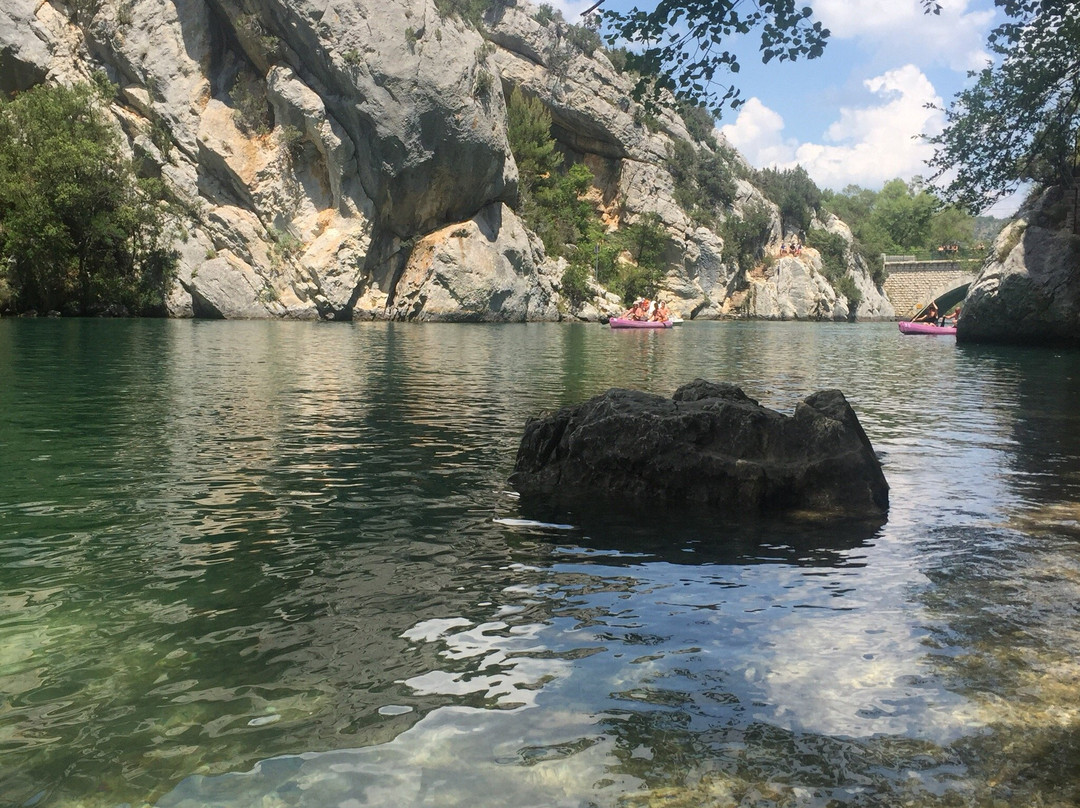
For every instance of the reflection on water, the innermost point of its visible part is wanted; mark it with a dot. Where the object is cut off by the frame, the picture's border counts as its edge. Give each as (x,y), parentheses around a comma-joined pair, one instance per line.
(277,564)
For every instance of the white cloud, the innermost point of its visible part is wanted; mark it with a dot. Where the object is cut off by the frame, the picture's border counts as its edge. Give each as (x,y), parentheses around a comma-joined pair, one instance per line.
(758,134)
(866,145)
(901,31)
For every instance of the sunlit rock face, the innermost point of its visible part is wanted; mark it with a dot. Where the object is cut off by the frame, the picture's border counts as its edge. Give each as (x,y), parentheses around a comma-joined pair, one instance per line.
(314,148)
(1029,289)
(708,446)
(490,268)
(24,55)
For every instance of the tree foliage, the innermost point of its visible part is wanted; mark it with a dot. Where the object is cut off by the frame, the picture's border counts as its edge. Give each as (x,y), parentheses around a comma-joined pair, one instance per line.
(551,200)
(78,232)
(903,213)
(704,180)
(1020,120)
(553,205)
(646,242)
(529,132)
(745,237)
(682,45)
(901,218)
(797,196)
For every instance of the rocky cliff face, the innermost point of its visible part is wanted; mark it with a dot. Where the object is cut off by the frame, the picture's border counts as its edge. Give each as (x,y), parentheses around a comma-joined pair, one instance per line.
(1029,289)
(349,158)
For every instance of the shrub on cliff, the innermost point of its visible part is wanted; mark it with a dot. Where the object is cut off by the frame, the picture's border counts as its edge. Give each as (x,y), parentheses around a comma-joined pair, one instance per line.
(745,237)
(833,249)
(797,196)
(471,11)
(551,199)
(553,205)
(699,122)
(575,283)
(645,242)
(704,180)
(78,231)
(251,110)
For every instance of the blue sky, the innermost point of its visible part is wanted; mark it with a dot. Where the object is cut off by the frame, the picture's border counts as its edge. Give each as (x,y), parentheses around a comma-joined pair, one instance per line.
(853,116)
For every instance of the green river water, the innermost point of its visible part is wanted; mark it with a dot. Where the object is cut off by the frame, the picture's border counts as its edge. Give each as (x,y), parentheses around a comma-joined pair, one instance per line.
(277,564)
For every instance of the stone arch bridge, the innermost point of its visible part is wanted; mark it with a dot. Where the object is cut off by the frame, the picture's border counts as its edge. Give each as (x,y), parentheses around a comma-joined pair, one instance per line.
(911,283)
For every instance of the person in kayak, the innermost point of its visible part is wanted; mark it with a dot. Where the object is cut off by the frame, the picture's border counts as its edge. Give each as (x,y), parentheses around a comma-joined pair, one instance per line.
(637,312)
(928,316)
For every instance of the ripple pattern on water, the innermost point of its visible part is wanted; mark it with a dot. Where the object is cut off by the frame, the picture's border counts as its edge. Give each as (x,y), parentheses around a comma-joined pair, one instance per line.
(278,562)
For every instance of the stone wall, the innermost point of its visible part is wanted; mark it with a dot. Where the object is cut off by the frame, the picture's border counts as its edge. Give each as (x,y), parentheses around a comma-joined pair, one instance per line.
(912,284)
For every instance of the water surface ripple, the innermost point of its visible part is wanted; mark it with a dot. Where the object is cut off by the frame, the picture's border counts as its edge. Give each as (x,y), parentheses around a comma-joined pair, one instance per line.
(277,564)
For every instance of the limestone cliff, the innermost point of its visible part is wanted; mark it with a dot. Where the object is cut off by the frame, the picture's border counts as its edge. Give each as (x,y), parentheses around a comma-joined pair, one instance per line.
(349,158)
(1028,291)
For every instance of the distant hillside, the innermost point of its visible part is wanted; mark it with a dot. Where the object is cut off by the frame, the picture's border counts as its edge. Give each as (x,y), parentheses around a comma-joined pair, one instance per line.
(988,227)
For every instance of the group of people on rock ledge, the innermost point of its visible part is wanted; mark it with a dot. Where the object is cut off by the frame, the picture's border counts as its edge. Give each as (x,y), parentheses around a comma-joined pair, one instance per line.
(648,311)
(932,316)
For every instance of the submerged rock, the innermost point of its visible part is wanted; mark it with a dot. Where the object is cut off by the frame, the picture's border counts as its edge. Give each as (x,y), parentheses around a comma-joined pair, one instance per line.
(711,446)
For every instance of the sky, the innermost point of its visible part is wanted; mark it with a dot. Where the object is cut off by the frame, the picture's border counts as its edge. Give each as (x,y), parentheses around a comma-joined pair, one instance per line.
(855,115)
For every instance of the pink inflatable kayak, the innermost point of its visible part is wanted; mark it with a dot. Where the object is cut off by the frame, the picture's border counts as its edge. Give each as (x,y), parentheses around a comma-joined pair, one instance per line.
(926,328)
(619,322)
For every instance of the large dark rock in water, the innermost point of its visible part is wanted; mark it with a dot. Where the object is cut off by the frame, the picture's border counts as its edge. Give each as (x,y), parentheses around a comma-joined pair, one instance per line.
(709,445)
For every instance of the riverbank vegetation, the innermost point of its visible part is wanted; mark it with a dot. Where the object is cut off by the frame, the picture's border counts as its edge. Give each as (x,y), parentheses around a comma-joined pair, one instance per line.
(908,218)
(79,232)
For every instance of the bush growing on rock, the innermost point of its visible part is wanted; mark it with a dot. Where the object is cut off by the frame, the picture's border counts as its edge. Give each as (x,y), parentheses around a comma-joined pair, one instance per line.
(471,11)
(833,249)
(553,206)
(618,58)
(797,196)
(251,112)
(646,242)
(546,14)
(704,182)
(584,39)
(551,200)
(745,237)
(575,283)
(699,122)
